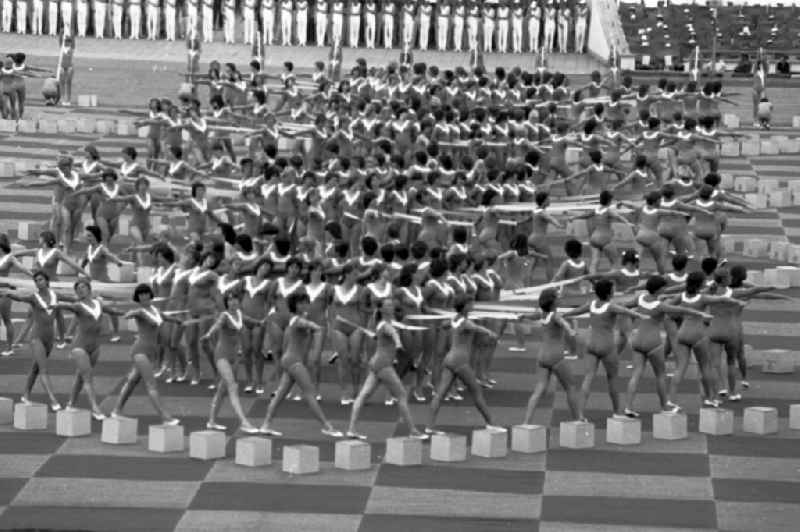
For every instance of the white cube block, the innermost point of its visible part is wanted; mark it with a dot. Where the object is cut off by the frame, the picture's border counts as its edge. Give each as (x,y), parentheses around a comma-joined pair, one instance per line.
(490,443)
(84,100)
(449,448)
(8,126)
(403,451)
(253,451)
(143,132)
(623,431)
(144,274)
(778,277)
(794,417)
(778,361)
(528,438)
(125,128)
(67,126)
(124,227)
(576,434)
(32,416)
(27,126)
(120,430)
(745,184)
(726,181)
(716,421)
(769,147)
(301,459)
(86,125)
(104,127)
(730,120)
(207,444)
(755,247)
(760,420)
(789,145)
(352,455)
(779,250)
(72,423)
(28,230)
(165,438)
(6,411)
(572,155)
(793,274)
(796,121)
(8,169)
(756,277)
(668,426)
(751,147)
(779,198)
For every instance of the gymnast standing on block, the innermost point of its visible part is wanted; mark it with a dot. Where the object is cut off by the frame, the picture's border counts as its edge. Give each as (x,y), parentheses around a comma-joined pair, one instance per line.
(551,355)
(7,263)
(149,320)
(457,363)
(381,371)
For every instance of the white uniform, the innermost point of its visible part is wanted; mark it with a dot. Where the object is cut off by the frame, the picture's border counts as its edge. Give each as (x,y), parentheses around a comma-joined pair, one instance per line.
(170,19)
(117,10)
(388,23)
(473,20)
(534,26)
(22,16)
(286,22)
(8,15)
(249,13)
(229,21)
(321,21)
(581,18)
(458,26)
(563,28)
(192,15)
(52,17)
(354,25)
(425,16)
(301,21)
(517,20)
(370,23)
(408,23)
(337,19)
(268,20)
(443,26)
(549,29)
(153,16)
(503,14)
(208,21)
(488,28)
(100,14)
(135,14)
(37,16)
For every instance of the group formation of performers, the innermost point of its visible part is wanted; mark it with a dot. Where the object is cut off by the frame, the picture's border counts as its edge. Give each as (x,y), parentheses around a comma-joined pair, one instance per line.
(383,224)
(506,25)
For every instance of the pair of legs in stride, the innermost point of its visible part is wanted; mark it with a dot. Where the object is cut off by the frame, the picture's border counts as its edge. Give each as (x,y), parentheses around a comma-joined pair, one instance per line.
(467,376)
(85,362)
(560,370)
(700,348)
(142,370)
(610,362)
(40,352)
(389,378)
(655,357)
(227,381)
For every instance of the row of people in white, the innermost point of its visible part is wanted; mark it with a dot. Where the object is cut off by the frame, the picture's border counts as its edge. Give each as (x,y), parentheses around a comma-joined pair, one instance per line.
(516,25)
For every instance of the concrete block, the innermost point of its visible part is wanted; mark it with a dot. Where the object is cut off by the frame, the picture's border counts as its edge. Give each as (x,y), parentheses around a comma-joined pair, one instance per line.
(48,126)
(105,127)
(769,147)
(120,430)
(726,181)
(27,126)
(86,125)
(144,274)
(792,273)
(779,198)
(490,443)
(745,184)
(623,431)
(27,262)
(755,247)
(528,438)
(778,361)
(751,147)
(6,411)
(778,250)
(8,126)
(300,459)
(85,100)
(756,277)
(777,277)
(31,416)
(793,253)
(143,132)
(207,444)
(124,228)
(165,438)
(576,434)
(403,451)
(449,448)
(668,426)
(122,274)
(73,423)
(7,169)
(794,416)
(125,128)
(765,186)
(67,126)
(253,451)
(730,121)
(572,155)
(716,421)
(352,455)
(789,145)
(796,121)
(760,420)
(28,230)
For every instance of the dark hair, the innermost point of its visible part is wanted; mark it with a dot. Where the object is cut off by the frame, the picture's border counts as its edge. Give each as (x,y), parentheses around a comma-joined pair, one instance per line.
(629,256)
(140,290)
(695,281)
(295,299)
(708,265)
(48,237)
(680,261)
(655,283)
(547,299)
(573,248)
(604,288)
(5,245)
(95,232)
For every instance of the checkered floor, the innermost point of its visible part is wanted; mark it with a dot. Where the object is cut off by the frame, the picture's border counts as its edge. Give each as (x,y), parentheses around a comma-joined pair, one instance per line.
(741,482)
